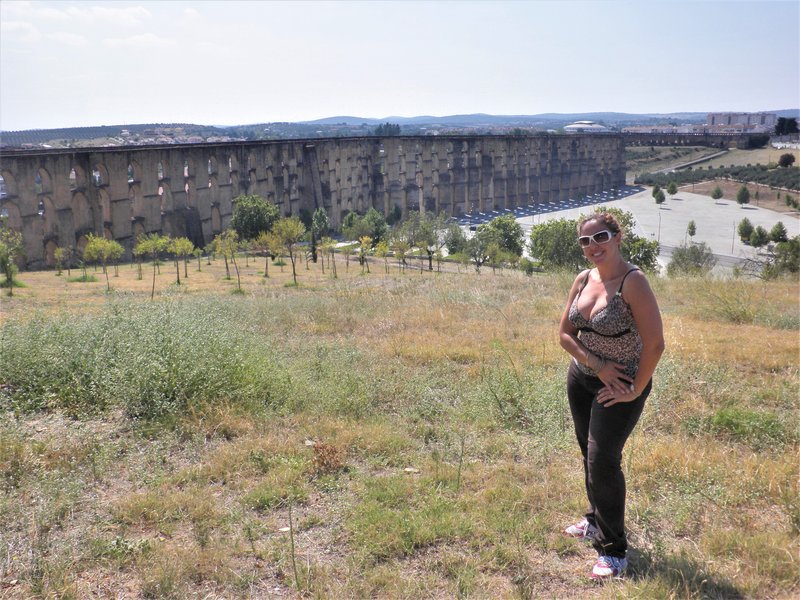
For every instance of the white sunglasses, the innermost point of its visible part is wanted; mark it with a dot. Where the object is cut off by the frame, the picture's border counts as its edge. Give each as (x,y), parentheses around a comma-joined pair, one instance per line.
(601,237)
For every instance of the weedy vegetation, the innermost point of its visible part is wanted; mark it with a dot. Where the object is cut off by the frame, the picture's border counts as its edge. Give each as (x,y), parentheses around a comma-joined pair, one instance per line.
(401,435)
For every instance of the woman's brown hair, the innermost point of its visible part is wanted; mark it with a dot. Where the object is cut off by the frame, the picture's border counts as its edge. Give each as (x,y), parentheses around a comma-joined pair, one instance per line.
(609,220)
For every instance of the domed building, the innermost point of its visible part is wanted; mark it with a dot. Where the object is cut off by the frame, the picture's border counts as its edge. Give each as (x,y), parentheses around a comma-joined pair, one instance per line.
(586,127)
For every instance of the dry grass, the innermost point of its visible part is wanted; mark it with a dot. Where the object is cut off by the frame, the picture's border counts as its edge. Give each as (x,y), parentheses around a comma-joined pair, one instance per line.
(423,446)
(767,197)
(764,156)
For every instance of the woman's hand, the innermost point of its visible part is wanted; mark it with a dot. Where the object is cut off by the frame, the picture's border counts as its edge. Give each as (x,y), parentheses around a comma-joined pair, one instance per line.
(613,375)
(608,397)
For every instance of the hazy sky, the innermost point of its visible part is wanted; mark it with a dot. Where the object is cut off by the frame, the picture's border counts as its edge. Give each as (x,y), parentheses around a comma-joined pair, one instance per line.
(66,64)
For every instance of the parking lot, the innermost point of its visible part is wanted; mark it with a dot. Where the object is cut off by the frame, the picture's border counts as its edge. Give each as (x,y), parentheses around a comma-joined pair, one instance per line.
(716,221)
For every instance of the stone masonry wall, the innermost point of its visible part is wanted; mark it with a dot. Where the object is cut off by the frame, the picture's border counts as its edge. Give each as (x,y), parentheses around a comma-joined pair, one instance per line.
(56,197)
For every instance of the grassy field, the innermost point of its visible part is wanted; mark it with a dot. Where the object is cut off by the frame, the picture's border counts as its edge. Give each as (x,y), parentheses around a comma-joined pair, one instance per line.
(380,436)
(644,159)
(756,156)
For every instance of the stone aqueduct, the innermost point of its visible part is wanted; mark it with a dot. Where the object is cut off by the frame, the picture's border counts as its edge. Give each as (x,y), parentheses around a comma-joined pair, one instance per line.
(57,197)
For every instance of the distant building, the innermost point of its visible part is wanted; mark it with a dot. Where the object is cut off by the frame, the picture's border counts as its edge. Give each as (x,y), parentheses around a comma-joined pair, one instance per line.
(655,129)
(742,122)
(586,127)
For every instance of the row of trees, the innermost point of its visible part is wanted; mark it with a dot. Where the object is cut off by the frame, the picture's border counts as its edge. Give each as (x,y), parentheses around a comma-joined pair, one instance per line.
(387,129)
(256,225)
(786,126)
(769,175)
(500,241)
(742,195)
(783,257)
(553,244)
(758,236)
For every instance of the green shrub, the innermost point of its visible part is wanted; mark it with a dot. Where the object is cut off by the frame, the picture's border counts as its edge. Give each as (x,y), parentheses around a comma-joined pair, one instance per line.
(693,260)
(527,266)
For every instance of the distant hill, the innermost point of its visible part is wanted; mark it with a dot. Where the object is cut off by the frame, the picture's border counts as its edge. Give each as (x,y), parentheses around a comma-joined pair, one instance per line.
(345,125)
(478,119)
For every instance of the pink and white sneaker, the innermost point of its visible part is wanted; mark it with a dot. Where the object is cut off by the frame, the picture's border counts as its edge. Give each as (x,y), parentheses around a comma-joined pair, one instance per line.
(608,567)
(582,530)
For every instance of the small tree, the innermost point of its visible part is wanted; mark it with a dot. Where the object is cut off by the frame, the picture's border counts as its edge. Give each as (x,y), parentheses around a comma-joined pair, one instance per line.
(786,258)
(226,244)
(328,246)
(62,256)
(656,189)
(320,224)
(401,248)
(759,237)
(208,249)
(10,249)
(660,197)
(364,246)
(246,247)
(152,245)
(745,230)
(672,189)
(691,229)
(481,244)
(138,257)
(786,160)
(102,250)
(290,230)
(454,239)
(553,244)
(269,243)
(743,196)
(252,214)
(494,255)
(181,248)
(778,233)
(197,253)
(508,233)
(382,251)
(716,194)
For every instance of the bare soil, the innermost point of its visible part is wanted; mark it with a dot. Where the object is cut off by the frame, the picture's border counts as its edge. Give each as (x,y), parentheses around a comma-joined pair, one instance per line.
(767,196)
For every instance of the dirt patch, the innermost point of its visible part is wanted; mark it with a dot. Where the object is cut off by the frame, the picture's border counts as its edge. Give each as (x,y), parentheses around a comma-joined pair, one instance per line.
(767,196)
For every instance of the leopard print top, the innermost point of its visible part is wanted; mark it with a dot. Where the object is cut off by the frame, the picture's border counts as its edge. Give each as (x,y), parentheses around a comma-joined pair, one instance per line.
(610,333)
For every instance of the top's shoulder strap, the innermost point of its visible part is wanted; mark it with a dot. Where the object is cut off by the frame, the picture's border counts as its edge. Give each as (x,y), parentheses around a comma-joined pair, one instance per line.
(621,283)
(585,281)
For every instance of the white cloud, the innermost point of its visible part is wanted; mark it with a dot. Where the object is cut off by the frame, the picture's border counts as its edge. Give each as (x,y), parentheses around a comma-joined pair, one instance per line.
(21,31)
(129,15)
(112,15)
(50,13)
(16,8)
(144,39)
(190,14)
(214,49)
(70,39)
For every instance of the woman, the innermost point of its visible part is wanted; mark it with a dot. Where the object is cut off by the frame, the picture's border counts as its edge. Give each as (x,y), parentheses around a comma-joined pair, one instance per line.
(612,328)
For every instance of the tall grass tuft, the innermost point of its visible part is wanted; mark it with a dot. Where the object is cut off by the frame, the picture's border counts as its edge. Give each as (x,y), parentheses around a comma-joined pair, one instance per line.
(153,359)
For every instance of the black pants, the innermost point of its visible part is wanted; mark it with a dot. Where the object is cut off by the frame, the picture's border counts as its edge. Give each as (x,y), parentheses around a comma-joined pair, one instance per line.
(602,432)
